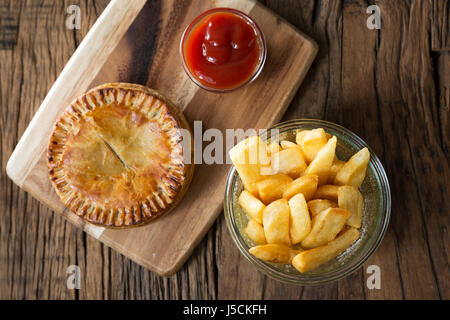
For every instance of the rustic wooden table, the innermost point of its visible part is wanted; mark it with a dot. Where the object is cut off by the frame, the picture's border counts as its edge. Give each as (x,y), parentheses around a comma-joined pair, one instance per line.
(390,86)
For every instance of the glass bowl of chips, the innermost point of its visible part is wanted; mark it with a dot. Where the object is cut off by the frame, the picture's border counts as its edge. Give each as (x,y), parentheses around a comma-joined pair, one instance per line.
(376,208)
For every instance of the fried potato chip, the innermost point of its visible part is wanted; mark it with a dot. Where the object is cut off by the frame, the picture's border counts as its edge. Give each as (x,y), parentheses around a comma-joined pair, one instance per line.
(325,226)
(311,259)
(276,222)
(349,198)
(299,136)
(255,231)
(335,167)
(312,142)
(305,184)
(251,205)
(288,161)
(273,148)
(318,205)
(327,191)
(276,253)
(300,222)
(271,188)
(353,171)
(322,162)
(249,156)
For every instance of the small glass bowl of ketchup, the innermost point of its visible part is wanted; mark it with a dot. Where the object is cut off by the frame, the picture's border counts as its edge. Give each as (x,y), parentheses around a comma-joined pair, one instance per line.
(222,50)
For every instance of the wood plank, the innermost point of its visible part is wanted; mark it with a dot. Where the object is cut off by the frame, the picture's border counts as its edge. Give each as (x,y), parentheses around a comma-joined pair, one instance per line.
(411,154)
(361,115)
(443,93)
(32,261)
(440,29)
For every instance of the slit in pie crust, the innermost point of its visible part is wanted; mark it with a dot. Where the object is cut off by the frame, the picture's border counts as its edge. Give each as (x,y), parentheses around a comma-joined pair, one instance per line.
(115,156)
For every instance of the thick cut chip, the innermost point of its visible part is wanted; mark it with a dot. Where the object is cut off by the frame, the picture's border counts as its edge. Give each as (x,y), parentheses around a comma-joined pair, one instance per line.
(255,231)
(325,226)
(299,136)
(312,142)
(276,222)
(318,205)
(249,156)
(353,171)
(273,148)
(322,162)
(349,198)
(327,191)
(335,167)
(271,188)
(305,184)
(288,161)
(300,222)
(311,259)
(251,205)
(276,253)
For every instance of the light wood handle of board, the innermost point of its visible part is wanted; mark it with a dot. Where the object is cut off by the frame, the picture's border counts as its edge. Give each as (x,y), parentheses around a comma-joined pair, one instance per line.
(74,80)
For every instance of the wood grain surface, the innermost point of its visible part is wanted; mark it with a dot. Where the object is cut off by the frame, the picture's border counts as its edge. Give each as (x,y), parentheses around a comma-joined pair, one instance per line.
(164,245)
(389,86)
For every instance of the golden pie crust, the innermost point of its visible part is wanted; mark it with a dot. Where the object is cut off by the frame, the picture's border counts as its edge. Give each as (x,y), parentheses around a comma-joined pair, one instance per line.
(115,156)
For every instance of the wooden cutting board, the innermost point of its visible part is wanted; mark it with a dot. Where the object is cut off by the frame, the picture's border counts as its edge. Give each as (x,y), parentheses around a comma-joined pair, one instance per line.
(127,44)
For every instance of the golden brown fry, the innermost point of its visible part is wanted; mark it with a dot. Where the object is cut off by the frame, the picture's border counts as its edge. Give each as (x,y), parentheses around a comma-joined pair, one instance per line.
(276,253)
(327,191)
(322,162)
(312,142)
(299,136)
(325,226)
(276,222)
(306,184)
(249,156)
(271,188)
(353,171)
(273,148)
(349,198)
(251,205)
(288,161)
(318,205)
(311,259)
(255,231)
(335,167)
(300,222)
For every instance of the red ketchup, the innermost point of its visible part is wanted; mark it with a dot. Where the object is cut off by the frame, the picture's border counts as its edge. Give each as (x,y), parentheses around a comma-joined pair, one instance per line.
(222,51)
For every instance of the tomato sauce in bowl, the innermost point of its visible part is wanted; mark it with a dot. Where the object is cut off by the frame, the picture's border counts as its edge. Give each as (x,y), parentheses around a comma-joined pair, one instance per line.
(222,50)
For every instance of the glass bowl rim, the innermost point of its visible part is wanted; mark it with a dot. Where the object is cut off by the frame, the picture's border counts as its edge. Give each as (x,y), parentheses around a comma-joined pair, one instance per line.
(262,55)
(372,243)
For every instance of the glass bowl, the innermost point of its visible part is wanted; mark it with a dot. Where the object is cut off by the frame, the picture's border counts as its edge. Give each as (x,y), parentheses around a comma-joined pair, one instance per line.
(261,43)
(376,210)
